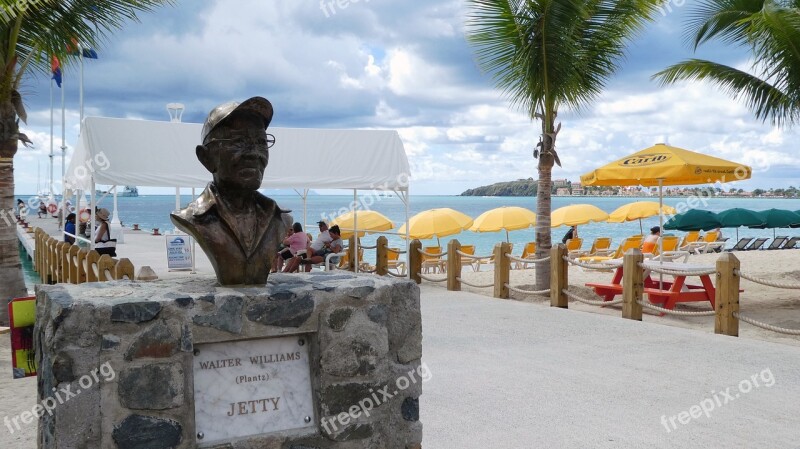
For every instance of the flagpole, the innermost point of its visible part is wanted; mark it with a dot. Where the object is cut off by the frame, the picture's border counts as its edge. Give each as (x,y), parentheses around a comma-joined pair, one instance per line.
(63,151)
(80,57)
(51,137)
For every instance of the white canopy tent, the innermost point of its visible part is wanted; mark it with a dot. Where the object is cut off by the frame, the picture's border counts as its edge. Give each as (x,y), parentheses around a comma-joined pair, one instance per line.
(118,152)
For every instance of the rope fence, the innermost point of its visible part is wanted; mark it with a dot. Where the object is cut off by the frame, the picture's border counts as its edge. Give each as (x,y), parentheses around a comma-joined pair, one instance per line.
(634,271)
(528,292)
(656,308)
(475,285)
(593,266)
(776,284)
(770,327)
(514,258)
(591,302)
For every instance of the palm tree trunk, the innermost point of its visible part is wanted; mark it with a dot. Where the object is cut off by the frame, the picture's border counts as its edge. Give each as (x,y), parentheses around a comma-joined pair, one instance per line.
(543,241)
(12,283)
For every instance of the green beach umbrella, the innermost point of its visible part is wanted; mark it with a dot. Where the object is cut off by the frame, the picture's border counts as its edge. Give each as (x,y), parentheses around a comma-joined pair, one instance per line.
(736,217)
(778,218)
(694,220)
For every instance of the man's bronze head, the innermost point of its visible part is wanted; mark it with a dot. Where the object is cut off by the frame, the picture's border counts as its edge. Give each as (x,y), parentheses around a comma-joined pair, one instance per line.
(235,146)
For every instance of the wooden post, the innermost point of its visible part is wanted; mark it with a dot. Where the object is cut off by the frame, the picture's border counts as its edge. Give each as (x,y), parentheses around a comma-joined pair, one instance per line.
(453,265)
(63,263)
(502,269)
(123,270)
(36,241)
(559,276)
(726,300)
(382,256)
(415,260)
(73,264)
(632,284)
(51,261)
(351,255)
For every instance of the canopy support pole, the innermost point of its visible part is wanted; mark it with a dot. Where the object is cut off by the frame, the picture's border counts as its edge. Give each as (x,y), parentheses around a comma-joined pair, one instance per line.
(177,203)
(194,267)
(404,197)
(355,230)
(92,214)
(661,229)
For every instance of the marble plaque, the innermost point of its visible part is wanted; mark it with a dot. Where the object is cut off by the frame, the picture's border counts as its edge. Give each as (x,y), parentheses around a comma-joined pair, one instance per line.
(252,387)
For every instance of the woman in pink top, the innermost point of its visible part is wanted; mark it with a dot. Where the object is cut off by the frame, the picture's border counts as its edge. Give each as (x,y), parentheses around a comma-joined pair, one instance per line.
(295,240)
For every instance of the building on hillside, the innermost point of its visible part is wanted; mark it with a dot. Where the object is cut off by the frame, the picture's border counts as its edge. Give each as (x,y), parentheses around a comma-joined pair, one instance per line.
(577,189)
(562,191)
(560,183)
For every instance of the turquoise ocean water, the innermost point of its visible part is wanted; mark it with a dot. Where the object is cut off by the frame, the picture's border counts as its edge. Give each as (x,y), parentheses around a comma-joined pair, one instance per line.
(152,211)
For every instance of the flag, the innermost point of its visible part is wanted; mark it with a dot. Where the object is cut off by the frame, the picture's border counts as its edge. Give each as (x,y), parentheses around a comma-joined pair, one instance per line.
(55,67)
(87,52)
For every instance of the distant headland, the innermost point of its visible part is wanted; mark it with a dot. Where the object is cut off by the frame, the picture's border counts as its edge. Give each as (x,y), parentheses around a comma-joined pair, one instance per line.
(565,187)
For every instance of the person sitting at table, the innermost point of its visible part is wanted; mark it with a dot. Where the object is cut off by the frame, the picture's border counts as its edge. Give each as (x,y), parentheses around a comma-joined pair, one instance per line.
(295,241)
(651,241)
(330,241)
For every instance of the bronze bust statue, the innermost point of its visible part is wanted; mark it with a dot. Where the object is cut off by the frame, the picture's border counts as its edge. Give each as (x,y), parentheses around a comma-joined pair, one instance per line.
(238,228)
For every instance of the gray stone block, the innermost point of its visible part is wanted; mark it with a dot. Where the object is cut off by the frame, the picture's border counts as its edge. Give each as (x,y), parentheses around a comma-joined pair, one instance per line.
(363,333)
(151,387)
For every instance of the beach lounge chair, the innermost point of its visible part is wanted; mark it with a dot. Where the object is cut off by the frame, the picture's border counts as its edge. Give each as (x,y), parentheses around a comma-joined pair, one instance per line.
(468,249)
(489,260)
(691,241)
(778,241)
(741,244)
(574,246)
(528,252)
(792,243)
(757,244)
(627,244)
(600,247)
(669,250)
(712,242)
(432,264)
(394,262)
(716,247)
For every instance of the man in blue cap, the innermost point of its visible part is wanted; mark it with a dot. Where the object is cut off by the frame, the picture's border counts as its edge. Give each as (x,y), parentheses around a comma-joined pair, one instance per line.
(238,228)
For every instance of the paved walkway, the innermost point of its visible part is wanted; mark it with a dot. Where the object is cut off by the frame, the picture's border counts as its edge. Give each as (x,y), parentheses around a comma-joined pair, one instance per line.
(507,374)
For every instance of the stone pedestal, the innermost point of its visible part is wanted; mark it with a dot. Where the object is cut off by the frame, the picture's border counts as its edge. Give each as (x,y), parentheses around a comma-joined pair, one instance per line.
(118,363)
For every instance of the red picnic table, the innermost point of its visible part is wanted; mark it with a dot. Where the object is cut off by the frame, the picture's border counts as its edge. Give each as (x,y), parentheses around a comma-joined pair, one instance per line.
(666,293)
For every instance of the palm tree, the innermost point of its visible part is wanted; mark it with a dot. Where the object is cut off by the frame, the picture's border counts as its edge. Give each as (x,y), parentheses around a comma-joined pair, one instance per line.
(545,54)
(771,31)
(30,34)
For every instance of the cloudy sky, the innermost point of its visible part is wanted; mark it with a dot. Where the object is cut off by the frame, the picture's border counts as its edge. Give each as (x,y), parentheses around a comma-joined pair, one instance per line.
(403,66)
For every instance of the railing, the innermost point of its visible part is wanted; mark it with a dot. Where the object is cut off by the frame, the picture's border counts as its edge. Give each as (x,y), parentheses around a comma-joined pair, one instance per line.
(726,300)
(61,262)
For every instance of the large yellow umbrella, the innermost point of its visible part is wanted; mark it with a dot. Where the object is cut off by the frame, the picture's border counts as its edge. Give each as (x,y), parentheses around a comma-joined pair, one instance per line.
(368,221)
(666,165)
(435,223)
(576,214)
(637,211)
(504,218)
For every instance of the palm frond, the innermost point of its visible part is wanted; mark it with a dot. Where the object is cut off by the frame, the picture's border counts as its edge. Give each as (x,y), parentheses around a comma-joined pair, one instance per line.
(767,101)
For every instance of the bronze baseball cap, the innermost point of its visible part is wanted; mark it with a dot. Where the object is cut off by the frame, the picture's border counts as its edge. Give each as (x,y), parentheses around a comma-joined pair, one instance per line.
(259,106)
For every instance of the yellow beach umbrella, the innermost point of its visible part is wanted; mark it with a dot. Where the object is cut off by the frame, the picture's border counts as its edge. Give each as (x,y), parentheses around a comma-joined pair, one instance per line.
(368,221)
(435,223)
(666,165)
(637,211)
(504,219)
(576,214)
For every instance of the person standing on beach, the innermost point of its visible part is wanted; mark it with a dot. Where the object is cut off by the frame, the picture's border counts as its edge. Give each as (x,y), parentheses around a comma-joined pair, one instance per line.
(69,228)
(571,234)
